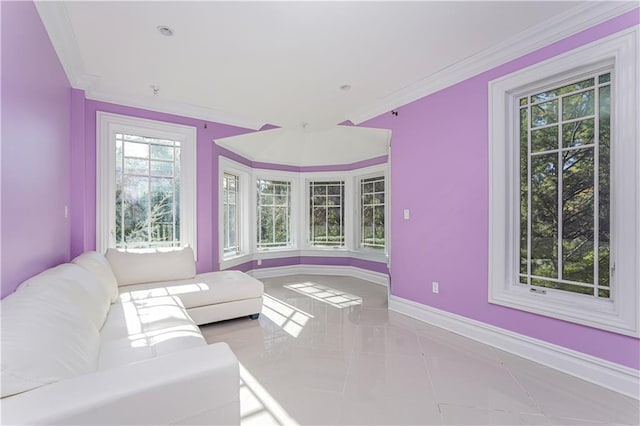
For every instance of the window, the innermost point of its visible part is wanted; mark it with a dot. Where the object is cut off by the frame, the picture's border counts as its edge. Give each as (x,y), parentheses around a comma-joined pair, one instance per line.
(146,184)
(230,214)
(274,213)
(565,135)
(326,214)
(563,230)
(372,212)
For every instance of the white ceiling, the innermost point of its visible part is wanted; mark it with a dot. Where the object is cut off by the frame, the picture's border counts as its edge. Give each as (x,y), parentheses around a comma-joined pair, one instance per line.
(282,63)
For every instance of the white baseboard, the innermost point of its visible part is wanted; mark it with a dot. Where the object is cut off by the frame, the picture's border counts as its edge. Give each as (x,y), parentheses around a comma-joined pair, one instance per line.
(350,271)
(616,377)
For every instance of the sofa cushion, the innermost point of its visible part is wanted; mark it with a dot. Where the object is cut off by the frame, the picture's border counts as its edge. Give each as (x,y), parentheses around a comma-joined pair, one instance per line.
(202,290)
(44,342)
(134,268)
(98,265)
(72,288)
(144,329)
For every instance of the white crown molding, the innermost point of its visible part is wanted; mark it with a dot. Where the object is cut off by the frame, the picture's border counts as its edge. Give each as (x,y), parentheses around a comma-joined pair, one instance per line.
(572,21)
(55,17)
(349,271)
(176,108)
(56,21)
(604,373)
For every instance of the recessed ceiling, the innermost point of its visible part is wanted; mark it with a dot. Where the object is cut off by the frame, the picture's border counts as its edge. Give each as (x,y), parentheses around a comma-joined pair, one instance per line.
(284,63)
(302,66)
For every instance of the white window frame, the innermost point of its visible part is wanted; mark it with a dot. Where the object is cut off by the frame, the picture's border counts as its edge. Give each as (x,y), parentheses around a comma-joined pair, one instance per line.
(347,220)
(621,313)
(236,192)
(277,176)
(358,232)
(244,230)
(107,125)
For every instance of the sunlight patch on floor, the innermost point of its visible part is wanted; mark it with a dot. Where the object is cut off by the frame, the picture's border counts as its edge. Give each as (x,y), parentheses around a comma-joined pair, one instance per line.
(289,318)
(323,293)
(257,406)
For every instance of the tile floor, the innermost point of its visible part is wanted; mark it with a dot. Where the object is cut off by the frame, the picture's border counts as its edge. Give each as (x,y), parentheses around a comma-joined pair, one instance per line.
(327,351)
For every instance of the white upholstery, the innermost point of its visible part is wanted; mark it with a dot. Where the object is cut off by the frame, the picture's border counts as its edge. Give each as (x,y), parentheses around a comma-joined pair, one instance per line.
(144,329)
(44,342)
(204,289)
(96,263)
(135,268)
(70,287)
(197,386)
(70,356)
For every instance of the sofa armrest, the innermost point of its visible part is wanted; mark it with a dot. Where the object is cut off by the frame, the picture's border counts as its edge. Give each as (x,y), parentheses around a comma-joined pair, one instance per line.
(198,385)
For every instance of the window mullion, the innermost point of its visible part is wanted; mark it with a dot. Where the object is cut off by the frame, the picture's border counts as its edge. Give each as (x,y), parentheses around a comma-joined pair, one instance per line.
(529,150)
(559,183)
(596,188)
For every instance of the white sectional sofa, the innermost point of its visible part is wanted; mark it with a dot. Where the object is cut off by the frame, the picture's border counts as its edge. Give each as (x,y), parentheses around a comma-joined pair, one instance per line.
(116,341)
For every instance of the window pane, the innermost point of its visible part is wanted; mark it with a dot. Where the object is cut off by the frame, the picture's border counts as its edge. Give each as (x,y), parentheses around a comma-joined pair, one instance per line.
(544,139)
(604,185)
(577,216)
(161,152)
(524,183)
(605,78)
(161,168)
(372,233)
(578,133)
(544,113)
(140,150)
(562,286)
(274,205)
(544,215)
(564,89)
(135,166)
(578,105)
(327,213)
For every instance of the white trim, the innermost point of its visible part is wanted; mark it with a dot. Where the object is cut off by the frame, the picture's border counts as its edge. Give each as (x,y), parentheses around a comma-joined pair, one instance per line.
(245,217)
(604,373)
(55,19)
(572,21)
(107,124)
(622,315)
(176,108)
(349,271)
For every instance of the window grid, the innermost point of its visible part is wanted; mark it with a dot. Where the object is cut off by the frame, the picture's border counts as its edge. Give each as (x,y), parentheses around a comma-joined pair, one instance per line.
(599,80)
(141,221)
(372,203)
(326,227)
(274,212)
(231,214)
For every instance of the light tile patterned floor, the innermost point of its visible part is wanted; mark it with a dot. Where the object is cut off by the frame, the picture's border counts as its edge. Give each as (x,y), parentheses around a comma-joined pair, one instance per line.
(326,351)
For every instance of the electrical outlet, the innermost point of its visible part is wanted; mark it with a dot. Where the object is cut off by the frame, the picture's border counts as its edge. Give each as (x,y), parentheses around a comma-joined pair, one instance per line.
(259,262)
(435,287)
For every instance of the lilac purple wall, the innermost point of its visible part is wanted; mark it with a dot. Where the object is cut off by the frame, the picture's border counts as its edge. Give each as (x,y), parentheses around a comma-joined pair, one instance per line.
(35,148)
(439,170)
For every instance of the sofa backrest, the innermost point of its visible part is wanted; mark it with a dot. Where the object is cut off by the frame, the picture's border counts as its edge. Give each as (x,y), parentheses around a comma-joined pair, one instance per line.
(98,265)
(50,328)
(136,268)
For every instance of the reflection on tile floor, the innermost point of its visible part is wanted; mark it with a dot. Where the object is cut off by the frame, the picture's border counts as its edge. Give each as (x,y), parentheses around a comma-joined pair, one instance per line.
(326,351)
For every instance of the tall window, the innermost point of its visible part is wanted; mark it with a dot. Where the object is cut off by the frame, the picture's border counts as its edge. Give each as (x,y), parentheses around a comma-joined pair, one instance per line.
(372,212)
(146,184)
(274,214)
(564,218)
(326,214)
(147,192)
(230,214)
(564,186)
